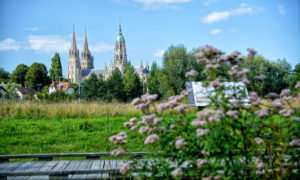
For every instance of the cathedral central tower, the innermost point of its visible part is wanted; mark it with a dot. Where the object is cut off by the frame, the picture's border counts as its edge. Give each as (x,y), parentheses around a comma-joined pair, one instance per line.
(120,58)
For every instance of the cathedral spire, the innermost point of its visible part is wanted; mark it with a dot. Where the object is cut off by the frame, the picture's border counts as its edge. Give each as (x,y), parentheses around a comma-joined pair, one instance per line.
(120,29)
(74,47)
(85,46)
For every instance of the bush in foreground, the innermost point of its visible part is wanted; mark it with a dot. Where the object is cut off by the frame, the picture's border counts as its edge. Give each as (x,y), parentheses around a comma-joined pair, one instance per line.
(229,139)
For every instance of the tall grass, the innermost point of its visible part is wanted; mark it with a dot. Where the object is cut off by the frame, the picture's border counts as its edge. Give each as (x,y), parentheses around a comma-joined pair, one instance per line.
(76,109)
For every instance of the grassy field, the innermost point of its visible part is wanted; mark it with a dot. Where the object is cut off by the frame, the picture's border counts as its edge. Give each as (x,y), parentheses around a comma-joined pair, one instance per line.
(62,135)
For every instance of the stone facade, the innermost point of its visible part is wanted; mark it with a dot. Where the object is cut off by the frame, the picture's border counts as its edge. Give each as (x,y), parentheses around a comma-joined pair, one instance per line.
(78,71)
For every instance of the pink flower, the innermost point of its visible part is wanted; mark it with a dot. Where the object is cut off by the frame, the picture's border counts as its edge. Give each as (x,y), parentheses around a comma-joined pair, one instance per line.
(232,114)
(259,164)
(177,172)
(125,167)
(197,122)
(133,128)
(222,60)
(117,152)
(207,178)
(141,106)
(294,142)
(277,103)
(245,80)
(297,119)
(286,113)
(216,84)
(204,153)
(179,143)
(297,86)
(252,52)
(259,140)
(157,120)
(182,108)
(272,95)
(119,138)
(149,97)
(260,77)
(127,124)
(151,139)
(285,92)
(191,73)
(136,101)
(200,162)
(253,97)
(162,107)
(133,120)
(234,70)
(243,71)
(259,172)
(201,132)
(148,119)
(144,129)
(262,113)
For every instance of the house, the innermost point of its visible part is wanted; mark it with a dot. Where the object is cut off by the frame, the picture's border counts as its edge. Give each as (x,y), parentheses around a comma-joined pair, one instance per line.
(2,92)
(2,84)
(22,91)
(61,86)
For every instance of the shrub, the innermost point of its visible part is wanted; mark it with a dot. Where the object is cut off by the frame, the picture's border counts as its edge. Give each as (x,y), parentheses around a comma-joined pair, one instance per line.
(228,139)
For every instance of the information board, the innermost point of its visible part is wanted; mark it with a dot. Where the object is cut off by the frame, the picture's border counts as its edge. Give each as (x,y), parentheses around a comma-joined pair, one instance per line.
(199,94)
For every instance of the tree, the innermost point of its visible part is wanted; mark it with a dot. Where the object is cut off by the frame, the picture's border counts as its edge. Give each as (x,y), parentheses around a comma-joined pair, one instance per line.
(102,89)
(89,88)
(176,62)
(4,76)
(115,87)
(295,76)
(132,83)
(18,76)
(37,76)
(154,80)
(56,69)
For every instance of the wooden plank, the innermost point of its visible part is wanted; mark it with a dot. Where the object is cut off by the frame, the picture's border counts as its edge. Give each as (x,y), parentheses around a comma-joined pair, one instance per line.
(9,166)
(84,165)
(22,168)
(48,166)
(60,165)
(34,168)
(96,165)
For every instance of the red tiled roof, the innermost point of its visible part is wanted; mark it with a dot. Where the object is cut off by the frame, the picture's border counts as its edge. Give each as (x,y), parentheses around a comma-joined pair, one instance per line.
(63,86)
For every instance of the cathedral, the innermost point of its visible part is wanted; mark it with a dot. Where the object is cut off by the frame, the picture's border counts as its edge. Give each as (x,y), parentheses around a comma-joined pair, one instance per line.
(79,70)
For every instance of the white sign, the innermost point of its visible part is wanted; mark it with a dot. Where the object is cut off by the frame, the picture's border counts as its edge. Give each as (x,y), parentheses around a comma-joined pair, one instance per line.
(199,95)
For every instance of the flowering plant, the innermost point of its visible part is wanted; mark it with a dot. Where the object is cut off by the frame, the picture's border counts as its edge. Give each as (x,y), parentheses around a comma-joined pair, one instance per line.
(226,139)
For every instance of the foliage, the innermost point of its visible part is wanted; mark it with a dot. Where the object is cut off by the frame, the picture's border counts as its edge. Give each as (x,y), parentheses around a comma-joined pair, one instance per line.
(56,69)
(295,76)
(37,76)
(277,74)
(4,75)
(228,139)
(154,80)
(18,76)
(132,83)
(60,96)
(115,87)
(89,88)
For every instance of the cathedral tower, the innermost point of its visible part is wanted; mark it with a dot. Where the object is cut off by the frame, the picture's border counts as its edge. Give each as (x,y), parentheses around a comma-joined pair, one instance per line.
(120,59)
(87,60)
(74,69)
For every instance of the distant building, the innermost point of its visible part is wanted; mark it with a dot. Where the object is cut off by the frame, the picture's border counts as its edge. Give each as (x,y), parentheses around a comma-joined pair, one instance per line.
(3,92)
(61,86)
(2,84)
(80,70)
(22,91)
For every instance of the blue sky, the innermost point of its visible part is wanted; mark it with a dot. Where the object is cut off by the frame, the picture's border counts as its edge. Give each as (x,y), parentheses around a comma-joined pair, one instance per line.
(33,30)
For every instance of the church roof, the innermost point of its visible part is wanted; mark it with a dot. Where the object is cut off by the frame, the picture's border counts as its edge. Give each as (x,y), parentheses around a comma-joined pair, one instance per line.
(88,72)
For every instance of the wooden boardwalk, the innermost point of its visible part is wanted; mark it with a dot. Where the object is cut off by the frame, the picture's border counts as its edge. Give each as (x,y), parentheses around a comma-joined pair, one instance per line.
(47,168)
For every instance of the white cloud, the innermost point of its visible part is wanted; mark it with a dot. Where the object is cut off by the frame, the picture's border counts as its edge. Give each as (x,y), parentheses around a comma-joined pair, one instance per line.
(159,53)
(156,4)
(281,10)
(9,44)
(223,15)
(208,2)
(233,29)
(50,43)
(32,29)
(215,31)
(243,5)
(101,47)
